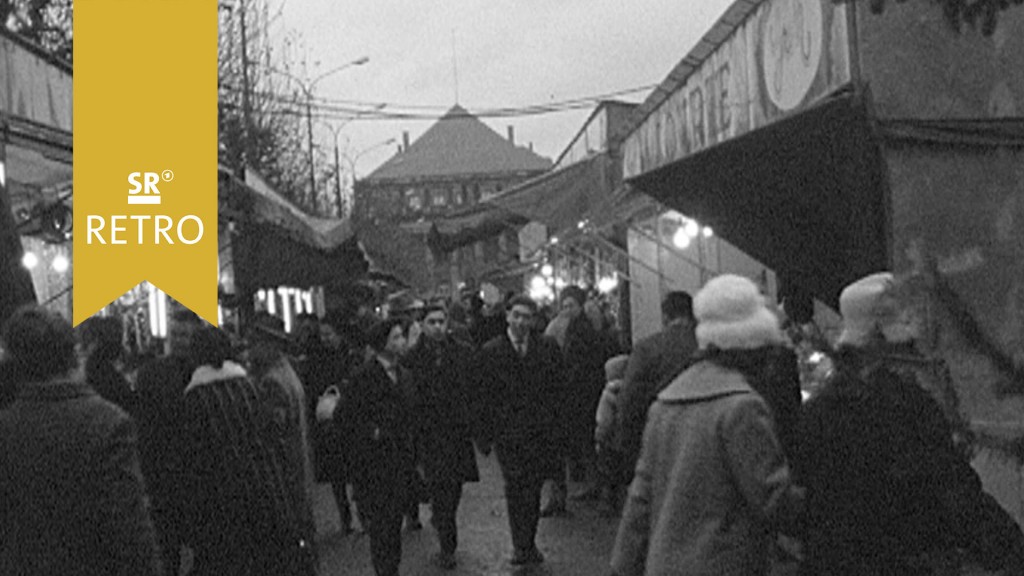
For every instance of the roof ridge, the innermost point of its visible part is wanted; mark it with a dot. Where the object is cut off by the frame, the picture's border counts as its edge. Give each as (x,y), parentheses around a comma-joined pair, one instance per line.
(459,143)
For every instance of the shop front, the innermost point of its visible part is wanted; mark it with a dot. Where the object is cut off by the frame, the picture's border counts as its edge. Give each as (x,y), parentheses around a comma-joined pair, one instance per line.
(274,258)
(35,177)
(760,138)
(826,142)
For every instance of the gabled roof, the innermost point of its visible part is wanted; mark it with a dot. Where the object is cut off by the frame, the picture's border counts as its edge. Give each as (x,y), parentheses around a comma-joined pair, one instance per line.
(459,144)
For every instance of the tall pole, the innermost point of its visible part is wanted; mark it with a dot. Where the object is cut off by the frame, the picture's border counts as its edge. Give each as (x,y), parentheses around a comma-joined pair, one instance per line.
(337,181)
(309,127)
(248,156)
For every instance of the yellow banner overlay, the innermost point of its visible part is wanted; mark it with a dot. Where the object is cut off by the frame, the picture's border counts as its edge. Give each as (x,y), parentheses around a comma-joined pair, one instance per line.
(145,160)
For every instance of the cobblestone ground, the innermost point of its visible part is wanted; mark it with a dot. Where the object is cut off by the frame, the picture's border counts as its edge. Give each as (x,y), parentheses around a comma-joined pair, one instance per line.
(577,545)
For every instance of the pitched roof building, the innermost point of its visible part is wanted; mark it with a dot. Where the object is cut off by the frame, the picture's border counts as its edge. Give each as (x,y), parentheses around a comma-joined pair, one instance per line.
(455,164)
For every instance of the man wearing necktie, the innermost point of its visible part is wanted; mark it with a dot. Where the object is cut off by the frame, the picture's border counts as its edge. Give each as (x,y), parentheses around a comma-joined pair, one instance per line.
(523,393)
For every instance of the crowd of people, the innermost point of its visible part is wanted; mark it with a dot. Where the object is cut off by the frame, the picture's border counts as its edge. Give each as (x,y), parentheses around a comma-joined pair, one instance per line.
(698,436)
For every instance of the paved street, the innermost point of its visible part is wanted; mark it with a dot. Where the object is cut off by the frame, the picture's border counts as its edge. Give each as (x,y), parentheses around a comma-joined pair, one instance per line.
(576,545)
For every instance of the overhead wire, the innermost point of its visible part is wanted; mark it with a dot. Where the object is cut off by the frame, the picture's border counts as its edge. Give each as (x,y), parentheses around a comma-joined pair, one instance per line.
(348,109)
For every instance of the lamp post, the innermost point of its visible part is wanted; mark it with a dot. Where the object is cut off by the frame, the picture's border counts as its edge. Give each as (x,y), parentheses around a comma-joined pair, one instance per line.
(336,131)
(353,159)
(307,90)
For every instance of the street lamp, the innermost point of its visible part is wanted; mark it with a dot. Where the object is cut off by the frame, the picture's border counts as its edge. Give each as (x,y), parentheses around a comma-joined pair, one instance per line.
(353,159)
(307,90)
(336,131)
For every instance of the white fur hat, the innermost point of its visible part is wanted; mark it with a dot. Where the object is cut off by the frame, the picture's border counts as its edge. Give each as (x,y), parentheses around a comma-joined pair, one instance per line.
(731,314)
(869,308)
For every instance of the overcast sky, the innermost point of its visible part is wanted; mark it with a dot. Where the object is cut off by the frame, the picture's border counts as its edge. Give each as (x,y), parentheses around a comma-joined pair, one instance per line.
(508,53)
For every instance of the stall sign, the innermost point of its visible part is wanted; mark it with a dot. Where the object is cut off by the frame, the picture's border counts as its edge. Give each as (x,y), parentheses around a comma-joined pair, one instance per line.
(782,57)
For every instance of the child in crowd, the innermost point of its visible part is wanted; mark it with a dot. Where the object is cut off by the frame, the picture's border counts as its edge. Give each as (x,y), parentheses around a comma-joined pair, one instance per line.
(613,477)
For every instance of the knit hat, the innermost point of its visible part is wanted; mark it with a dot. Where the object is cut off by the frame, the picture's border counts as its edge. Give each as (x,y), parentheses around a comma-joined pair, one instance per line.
(731,314)
(870,307)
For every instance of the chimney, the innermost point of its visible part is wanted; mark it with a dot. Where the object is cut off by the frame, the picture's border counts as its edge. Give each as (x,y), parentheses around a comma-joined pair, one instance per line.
(405,140)
(531,146)
(511,135)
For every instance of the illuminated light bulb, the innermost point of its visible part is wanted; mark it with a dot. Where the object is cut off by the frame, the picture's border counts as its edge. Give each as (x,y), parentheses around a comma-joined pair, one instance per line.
(681,239)
(547,270)
(60,263)
(554,239)
(692,228)
(538,284)
(560,283)
(29,260)
(607,284)
(708,232)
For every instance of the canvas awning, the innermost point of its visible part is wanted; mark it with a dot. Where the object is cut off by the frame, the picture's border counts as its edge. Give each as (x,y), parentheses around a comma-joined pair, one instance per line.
(558,199)
(804,195)
(276,244)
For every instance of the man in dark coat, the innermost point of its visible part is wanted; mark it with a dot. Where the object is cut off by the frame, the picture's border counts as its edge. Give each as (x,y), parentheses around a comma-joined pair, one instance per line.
(160,394)
(72,497)
(101,339)
(655,361)
(375,418)
(326,363)
(523,382)
(584,352)
(443,370)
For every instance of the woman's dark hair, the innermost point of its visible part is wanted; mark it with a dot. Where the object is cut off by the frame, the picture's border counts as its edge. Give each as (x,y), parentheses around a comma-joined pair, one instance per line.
(40,343)
(377,336)
(210,347)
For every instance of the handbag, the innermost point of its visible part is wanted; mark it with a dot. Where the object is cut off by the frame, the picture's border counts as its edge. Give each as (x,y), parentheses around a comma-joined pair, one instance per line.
(327,404)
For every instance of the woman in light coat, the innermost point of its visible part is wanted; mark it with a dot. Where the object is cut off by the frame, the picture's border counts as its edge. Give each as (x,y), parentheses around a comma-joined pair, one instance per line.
(712,481)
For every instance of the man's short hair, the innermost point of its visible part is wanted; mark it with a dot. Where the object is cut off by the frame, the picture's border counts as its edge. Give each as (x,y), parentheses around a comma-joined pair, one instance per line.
(40,343)
(435,307)
(574,292)
(677,304)
(521,300)
(377,335)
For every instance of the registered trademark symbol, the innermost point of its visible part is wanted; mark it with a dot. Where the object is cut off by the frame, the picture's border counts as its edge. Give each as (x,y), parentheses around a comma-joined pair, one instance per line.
(167,175)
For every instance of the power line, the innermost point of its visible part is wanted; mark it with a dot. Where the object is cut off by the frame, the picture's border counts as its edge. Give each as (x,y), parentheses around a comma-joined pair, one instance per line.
(349,109)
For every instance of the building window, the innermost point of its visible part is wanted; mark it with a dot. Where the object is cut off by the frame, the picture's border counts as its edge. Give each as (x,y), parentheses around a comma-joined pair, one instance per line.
(413,200)
(439,197)
(476,192)
(460,195)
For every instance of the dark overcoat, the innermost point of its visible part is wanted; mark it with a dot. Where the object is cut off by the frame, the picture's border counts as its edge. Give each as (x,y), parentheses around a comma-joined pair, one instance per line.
(375,421)
(654,362)
(525,400)
(444,374)
(876,456)
(72,498)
